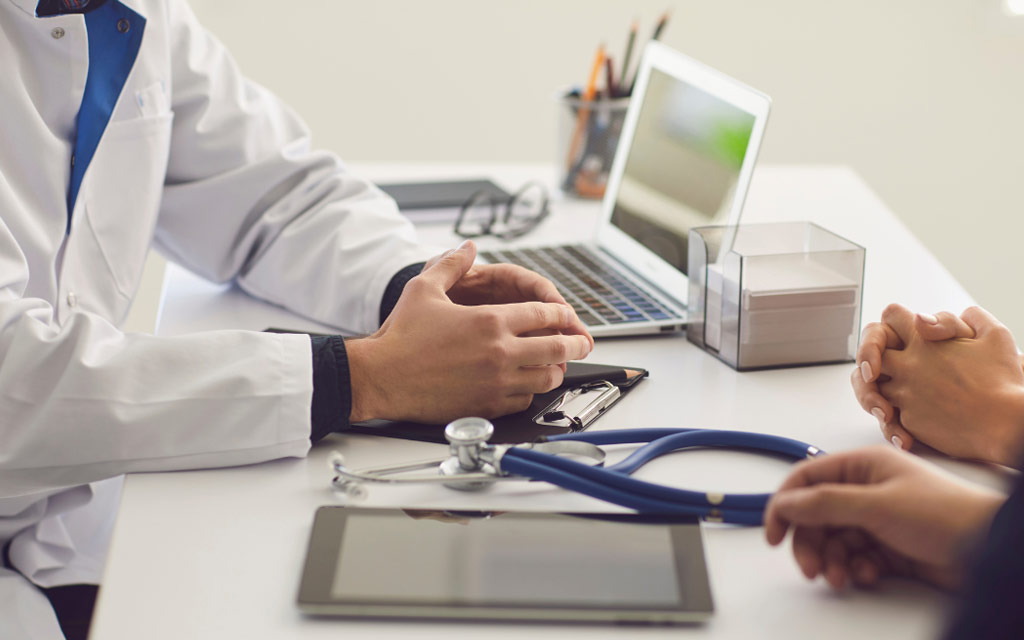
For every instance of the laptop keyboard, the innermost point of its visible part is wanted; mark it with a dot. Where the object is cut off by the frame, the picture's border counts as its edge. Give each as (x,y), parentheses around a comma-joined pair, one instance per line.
(591,285)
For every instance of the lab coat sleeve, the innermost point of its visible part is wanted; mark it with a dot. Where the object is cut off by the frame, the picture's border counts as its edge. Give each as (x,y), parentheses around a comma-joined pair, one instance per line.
(81,401)
(244,199)
(247,199)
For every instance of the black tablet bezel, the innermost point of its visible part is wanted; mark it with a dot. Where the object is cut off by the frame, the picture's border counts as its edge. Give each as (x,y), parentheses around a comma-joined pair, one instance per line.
(694,605)
(440,194)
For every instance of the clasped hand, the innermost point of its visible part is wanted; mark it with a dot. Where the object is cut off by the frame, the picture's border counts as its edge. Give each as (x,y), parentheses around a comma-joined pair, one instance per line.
(464,340)
(953,383)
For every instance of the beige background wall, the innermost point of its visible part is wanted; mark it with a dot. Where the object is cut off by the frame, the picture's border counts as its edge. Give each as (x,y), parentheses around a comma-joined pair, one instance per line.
(924,99)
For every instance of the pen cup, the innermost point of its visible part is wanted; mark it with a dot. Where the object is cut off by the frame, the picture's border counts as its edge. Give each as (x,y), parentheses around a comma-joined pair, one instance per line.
(588,135)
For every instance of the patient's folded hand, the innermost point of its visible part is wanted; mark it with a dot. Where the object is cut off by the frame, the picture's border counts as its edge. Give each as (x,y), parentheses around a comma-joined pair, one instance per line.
(897,327)
(955,384)
(964,396)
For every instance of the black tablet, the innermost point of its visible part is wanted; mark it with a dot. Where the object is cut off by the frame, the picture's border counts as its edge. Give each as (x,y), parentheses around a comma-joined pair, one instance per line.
(440,194)
(506,566)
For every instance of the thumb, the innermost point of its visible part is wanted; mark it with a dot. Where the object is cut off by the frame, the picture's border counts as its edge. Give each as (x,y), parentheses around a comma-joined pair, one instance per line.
(942,326)
(445,270)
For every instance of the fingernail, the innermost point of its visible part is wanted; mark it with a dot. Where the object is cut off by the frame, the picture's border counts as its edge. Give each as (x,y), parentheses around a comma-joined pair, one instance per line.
(865,371)
(879,414)
(897,442)
(928,318)
(465,243)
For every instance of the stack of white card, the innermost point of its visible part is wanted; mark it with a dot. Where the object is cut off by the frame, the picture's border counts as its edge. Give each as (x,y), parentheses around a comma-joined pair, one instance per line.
(786,309)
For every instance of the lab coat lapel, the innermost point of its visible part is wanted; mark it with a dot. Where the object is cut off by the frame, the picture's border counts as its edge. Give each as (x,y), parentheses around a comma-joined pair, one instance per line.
(28,6)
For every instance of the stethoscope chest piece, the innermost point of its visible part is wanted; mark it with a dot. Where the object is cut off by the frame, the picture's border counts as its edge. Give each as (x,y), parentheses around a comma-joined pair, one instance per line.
(467,442)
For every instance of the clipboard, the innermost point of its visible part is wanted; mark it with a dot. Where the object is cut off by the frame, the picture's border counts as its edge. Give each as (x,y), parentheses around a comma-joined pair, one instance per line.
(588,391)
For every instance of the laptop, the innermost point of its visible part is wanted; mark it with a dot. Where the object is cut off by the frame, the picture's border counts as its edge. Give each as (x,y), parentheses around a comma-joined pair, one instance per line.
(684,159)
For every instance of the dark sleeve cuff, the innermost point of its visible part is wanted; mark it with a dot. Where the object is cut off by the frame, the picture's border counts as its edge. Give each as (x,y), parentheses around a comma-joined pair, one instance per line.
(332,387)
(989,606)
(394,289)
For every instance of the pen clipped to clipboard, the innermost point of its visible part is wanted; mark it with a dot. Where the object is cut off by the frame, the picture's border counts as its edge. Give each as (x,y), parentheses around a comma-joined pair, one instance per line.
(577,407)
(587,392)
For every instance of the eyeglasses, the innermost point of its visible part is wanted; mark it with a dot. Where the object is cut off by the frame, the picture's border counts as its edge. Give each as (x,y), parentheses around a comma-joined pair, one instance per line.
(487,214)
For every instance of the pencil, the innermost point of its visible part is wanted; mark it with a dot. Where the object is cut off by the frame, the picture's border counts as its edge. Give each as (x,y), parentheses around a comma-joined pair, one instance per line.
(629,53)
(584,113)
(657,34)
(591,89)
(661,26)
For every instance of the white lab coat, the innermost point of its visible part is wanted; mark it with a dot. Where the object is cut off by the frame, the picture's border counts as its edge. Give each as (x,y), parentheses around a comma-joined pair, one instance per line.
(219,175)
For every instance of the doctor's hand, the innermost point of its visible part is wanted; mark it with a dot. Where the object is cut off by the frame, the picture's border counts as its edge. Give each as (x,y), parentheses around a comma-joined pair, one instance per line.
(504,283)
(964,397)
(497,283)
(862,515)
(434,360)
(876,339)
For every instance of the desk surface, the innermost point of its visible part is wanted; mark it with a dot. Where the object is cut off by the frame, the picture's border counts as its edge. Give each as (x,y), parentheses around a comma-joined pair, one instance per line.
(218,553)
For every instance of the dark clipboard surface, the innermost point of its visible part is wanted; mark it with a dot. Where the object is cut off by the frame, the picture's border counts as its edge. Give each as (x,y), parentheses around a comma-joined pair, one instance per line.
(517,427)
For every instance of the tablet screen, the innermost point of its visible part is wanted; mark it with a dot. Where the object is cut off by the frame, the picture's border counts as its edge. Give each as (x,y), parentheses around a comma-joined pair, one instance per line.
(510,566)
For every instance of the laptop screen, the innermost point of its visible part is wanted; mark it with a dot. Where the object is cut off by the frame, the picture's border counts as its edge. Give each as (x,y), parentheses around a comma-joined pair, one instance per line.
(683,166)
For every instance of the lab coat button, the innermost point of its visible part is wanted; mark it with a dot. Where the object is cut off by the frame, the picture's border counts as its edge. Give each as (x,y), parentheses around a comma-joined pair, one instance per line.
(123,25)
(57,33)
(72,299)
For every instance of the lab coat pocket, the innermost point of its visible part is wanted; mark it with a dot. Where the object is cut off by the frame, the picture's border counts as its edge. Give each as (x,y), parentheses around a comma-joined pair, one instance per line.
(125,182)
(153,100)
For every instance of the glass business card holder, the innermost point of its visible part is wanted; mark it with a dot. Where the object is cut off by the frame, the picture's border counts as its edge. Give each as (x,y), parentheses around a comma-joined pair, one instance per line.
(774,295)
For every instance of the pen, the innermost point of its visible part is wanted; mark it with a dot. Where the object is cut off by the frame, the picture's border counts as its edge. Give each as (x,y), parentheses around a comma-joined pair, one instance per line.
(609,77)
(629,53)
(584,112)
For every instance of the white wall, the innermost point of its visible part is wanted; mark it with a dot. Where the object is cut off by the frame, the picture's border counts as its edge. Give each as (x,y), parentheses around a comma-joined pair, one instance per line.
(923,98)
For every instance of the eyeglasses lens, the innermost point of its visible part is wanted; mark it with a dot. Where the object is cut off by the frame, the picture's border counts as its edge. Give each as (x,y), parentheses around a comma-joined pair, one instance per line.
(477,216)
(526,209)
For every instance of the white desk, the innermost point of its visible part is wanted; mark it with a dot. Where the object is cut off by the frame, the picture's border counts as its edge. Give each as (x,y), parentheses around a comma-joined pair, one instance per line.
(218,554)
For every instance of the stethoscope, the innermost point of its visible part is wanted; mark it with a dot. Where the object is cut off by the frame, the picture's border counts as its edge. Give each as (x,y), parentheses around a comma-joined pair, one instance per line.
(474,464)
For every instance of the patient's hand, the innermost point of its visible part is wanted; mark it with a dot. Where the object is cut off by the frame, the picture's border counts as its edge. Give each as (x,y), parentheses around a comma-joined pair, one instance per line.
(897,323)
(965,396)
(858,516)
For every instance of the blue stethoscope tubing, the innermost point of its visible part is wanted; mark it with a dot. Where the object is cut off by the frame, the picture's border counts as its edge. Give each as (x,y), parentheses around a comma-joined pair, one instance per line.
(614,484)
